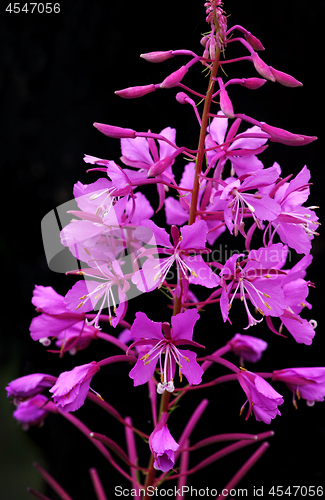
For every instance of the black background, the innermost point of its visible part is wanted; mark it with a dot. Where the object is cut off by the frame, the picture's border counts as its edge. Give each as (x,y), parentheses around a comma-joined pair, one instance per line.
(58,76)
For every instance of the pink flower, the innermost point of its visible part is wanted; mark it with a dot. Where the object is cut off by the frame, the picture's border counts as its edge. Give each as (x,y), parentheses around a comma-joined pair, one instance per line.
(163,445)
(307,383)
(31,412)
(165,339)
(143,154)
(84,295)
(262,398)
(71,388)
(257,278)
(29,385)
(190,267)
(178,210)
(296,225)
(57,321)
(247,348)
(241,202)
(241,152)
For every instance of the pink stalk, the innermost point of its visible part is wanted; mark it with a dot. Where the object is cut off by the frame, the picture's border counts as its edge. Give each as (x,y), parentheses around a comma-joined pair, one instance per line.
(109,443)
(237,59)
(117,359)
(114,413)
(220,352)
(98,487)
(219,380)
(219,438)
(264,374)
(132,451)
(190,426)
(223,362)
(153,400)
(244,469)
(37,494)
(113,340)
(192,91)
(183,98)
(184,463)
(226,451)
(87,432)
(52,482)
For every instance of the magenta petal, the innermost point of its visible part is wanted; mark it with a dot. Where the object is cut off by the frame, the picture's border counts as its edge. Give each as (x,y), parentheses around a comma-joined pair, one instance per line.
(265,208)
(142,371)
(29,385)
(47,299)
(183,324)
(202,274)
(136,150)
(194,236)
(175,213)
(150,233)
(71,388)
(166,149)
(218,128)
(76,296)
(144,328)
(302,331)
(224,305)
(31,412)
(163,446)
(191,369)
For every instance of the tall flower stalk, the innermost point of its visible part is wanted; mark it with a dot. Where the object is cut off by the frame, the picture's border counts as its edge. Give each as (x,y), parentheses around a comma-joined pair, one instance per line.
(123,253)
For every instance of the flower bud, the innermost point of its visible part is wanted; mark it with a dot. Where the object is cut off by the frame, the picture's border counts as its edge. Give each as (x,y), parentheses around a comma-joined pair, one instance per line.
(174,78)
(157,57)
(285,79)
(252,83)
(262,68)
(160,166)
(115,132)
(204,40)
(163,445)
(253,41)
(226,104)
(133,92)
(285,137)
(182,98)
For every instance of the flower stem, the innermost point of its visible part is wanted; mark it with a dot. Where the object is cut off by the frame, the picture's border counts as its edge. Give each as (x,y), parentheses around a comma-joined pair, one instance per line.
(201,148)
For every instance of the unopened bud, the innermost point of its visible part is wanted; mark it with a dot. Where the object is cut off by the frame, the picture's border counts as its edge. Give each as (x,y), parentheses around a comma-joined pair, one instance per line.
(115,132)
(157,57)
(182,98)
(174,78)
(262,68)
(253,41)
(226,104)
(285,79)
(160,166)
(133,92)
(252,83)
(285,137)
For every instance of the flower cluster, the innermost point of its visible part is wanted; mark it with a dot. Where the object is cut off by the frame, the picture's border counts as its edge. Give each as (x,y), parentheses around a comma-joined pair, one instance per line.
(223,187)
